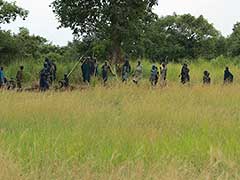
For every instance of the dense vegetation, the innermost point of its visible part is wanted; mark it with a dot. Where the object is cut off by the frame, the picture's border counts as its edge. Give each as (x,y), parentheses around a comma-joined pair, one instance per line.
(173,38)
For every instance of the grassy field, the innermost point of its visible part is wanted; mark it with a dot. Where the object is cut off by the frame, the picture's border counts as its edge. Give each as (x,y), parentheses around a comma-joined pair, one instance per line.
(122,132)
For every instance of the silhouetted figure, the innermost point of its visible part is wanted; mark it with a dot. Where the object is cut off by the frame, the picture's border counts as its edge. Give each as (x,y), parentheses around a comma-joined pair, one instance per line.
(126,70)
(2,77)
(185,77)
(154,75)
(206,78)
(44,74)
(228,76)
(86,71)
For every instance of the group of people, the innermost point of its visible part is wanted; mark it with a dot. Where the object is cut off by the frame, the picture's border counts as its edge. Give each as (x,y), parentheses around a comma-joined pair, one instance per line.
(90,67)
(11,83)
(47,75)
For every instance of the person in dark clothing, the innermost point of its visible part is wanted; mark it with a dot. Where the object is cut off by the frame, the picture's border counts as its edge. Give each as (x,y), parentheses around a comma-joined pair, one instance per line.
(228,76)
(126,70)
(206,78)
(92,66)
(154,75)
(44,74)
(19,78)
(2,77)
(86,71)
(49,70)
(47,64)
(105,69)
(185,77)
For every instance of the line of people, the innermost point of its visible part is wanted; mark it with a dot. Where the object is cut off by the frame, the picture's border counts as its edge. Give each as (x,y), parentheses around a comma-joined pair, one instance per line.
(156,73)
(90,69)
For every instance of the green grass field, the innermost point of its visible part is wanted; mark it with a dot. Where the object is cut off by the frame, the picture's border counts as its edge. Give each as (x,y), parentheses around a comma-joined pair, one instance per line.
(122,132)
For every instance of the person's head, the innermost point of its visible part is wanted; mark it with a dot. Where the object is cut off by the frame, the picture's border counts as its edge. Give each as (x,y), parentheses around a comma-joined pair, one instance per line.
(227,68)
(1,68)
(45,65)
(206,73)
(163,65)
(105,63)
(65,75)
(21,68)
(139,63)
(46,59)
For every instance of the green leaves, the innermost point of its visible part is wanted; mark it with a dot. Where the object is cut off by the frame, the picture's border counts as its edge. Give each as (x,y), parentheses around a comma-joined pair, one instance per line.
(10,11)
(116,20)
(181,36)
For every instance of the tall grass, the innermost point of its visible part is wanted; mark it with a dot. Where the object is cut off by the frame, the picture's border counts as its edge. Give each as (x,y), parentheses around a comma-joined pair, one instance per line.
(123,132)
(215,67)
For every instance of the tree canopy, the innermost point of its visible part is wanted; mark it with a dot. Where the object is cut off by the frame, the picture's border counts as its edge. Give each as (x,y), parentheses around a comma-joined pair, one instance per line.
(115,20)
(10,11)
(181,36)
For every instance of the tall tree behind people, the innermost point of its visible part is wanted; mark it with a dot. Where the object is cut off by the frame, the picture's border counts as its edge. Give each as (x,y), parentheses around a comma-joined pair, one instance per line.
(109,19)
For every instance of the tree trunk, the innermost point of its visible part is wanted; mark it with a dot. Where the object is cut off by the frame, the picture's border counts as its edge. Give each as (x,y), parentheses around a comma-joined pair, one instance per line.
(116,56)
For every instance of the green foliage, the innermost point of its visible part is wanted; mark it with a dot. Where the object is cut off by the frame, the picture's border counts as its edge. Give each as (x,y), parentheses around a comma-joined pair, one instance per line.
(8,47)
(25,46)
(113,20)
(10,11)
(234,41)
(181,36)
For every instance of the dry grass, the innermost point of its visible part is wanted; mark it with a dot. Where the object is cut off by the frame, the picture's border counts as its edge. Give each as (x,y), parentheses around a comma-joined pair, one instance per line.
(122,132)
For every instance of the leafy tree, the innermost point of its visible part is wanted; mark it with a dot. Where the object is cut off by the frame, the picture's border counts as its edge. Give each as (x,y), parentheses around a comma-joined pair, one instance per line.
(113,20)
(30,46)
(180,36)
(8,47)
(10,11)
(234,41)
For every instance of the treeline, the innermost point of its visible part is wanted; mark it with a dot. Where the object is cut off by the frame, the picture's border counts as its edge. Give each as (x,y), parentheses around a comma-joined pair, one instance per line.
(172,38)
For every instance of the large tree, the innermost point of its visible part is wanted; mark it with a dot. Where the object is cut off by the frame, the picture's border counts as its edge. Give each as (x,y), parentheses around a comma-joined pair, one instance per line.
(9,11)
(234,41)
(181,36)
(114,20)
